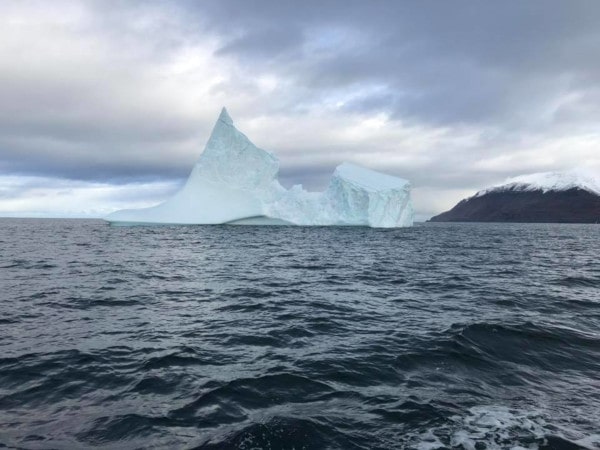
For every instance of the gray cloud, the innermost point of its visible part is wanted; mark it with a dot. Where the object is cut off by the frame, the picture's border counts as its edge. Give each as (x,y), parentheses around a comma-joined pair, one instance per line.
(438,61)
(468,92)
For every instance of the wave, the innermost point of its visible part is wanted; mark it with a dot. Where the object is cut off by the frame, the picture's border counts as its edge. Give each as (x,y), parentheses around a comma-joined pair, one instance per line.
(578,281)
(490,346)
(494,427)
(279,433)
(449,336)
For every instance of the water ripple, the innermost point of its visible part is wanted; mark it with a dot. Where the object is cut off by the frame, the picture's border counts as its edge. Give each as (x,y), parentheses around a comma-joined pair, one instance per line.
(462,336)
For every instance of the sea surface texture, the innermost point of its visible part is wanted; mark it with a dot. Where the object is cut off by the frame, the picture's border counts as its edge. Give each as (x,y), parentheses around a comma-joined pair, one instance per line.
(461,336)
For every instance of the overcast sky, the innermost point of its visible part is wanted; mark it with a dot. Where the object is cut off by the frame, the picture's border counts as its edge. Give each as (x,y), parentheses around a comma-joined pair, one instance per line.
(107,104)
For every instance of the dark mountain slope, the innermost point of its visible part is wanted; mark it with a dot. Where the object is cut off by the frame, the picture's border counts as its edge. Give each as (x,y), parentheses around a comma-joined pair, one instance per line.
(573,205)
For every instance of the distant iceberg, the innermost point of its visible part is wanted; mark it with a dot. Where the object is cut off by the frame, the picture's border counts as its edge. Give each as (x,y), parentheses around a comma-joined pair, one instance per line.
(236,182)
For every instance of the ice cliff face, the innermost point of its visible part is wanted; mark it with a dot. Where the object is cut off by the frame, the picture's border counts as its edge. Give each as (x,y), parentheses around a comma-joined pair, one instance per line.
(230,159)
(355,196)
(236,182)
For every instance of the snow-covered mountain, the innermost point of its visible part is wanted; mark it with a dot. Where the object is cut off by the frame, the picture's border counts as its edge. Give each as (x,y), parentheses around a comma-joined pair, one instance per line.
(550,181)
(572,197)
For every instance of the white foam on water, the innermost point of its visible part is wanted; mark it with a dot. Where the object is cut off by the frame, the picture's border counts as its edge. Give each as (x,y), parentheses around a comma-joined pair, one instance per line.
(499,428)
(428,441)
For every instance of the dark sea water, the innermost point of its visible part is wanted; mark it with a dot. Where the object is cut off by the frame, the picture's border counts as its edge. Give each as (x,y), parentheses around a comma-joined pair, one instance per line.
(467,336)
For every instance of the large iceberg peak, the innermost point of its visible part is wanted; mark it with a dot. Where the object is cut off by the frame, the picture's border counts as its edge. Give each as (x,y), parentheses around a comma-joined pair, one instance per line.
(225,117)
(234,181)
(231,158)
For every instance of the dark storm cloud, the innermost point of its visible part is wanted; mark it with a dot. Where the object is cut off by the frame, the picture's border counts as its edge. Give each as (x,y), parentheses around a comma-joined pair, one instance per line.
(438,61)
(91,161)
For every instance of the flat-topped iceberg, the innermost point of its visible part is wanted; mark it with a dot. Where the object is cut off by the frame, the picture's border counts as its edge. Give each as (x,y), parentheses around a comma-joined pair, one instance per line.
(236,182)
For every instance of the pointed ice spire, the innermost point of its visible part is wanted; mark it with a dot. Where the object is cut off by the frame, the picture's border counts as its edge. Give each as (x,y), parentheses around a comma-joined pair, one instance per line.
(225,117)
(231,159)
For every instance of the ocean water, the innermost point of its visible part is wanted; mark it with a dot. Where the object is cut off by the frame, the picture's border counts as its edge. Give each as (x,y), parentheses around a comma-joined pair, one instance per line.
(462,336)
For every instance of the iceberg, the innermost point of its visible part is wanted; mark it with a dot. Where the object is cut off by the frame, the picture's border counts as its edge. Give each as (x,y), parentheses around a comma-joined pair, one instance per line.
(235,182)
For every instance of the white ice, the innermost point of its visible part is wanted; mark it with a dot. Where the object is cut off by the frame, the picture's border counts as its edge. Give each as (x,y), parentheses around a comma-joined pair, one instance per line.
(236,182)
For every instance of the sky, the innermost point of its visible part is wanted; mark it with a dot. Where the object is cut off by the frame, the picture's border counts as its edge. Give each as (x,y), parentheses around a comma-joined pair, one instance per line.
(107,104)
